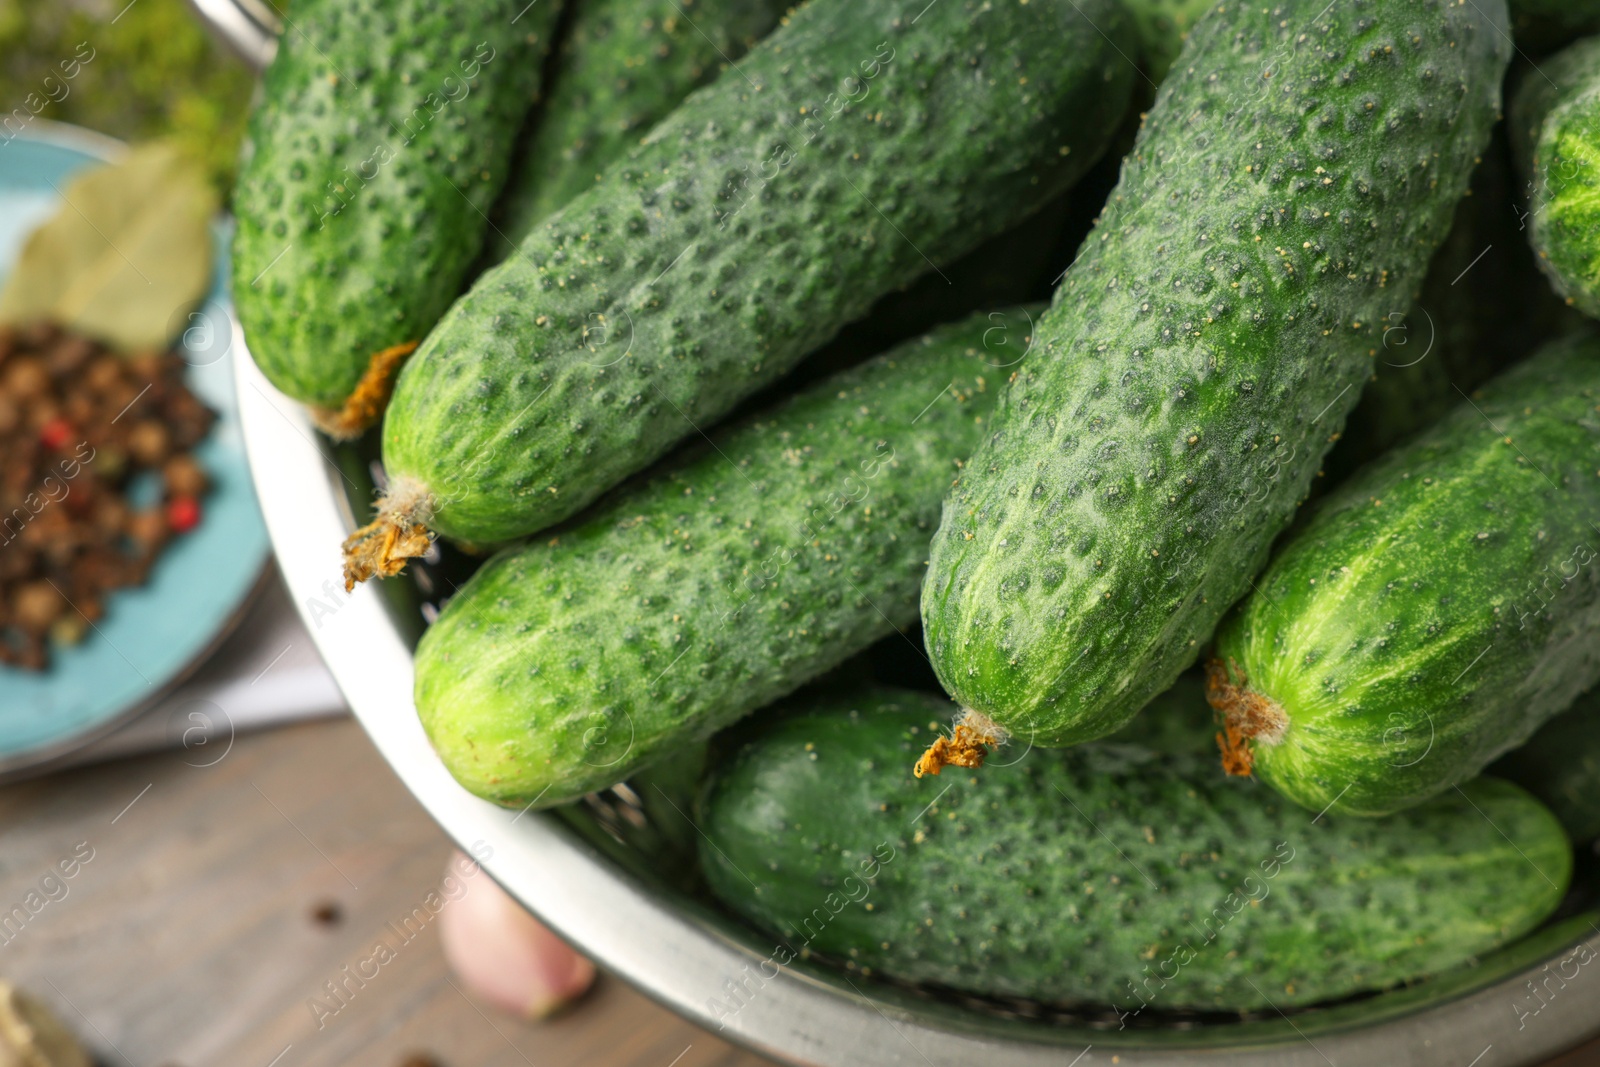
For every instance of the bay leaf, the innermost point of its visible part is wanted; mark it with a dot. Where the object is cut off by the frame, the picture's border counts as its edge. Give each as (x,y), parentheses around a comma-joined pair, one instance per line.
(126,257)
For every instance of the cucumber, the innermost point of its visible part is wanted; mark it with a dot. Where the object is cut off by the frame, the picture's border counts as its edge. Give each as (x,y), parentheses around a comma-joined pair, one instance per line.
(1202,353)
(731,576)
(763,214)
(1437,608)
(1561,766)
(382,137)
(623,65)
(1104,874)
(1554,118)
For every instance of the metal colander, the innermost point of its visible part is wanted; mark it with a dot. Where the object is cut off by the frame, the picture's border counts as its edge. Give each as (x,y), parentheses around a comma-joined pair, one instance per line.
(613,874)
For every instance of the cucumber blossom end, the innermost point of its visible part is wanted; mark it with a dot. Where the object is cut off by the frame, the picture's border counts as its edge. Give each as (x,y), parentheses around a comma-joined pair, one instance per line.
(366,401)
(971,738)
(1248,717)
(399,532)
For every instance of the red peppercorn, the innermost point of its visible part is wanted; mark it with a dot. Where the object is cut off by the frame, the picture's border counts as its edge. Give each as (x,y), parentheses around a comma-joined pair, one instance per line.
(183,513)
(55,434)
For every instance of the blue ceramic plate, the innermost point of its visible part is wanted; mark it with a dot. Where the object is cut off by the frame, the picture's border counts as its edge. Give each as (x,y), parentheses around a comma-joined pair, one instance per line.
(151,636)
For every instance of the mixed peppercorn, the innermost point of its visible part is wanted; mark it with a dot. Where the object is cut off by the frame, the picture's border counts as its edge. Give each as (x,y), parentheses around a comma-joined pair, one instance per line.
(96,475)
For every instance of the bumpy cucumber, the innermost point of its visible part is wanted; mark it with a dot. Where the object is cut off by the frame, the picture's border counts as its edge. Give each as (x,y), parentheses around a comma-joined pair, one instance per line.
(730,577)
(1557,123)
(759,217)
(623,65)
(1104,874)
(1285,195)
(384,133)
(1561,766)
(1438,607)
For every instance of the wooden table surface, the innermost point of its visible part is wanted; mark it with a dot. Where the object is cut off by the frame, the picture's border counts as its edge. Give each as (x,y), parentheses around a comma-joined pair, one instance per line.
(188,934)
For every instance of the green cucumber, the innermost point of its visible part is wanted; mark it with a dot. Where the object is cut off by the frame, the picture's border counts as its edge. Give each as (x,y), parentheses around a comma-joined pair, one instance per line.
(1437,608)
(1561,766)
(623,65)
(1104,874)
(383,135)
(759,217)
(1554,119)
(1283,198)
(736,573)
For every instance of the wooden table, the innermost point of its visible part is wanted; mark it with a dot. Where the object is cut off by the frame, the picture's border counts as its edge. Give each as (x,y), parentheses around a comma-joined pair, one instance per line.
(191,935)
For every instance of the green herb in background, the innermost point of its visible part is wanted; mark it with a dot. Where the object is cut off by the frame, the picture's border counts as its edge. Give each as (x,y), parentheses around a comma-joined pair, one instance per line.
(125,258)
(131,70)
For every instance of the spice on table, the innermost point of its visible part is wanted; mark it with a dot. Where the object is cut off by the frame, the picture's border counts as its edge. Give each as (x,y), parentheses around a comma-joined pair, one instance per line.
(96,476)
(327,913)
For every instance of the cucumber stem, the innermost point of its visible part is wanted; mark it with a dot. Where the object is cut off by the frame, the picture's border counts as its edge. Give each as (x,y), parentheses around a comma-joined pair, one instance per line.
(398,533)
(969,742)
(1247,716)
(370,396)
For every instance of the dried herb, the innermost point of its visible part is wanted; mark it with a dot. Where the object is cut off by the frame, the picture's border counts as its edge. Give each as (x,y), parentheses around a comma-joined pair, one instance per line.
(126,257)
